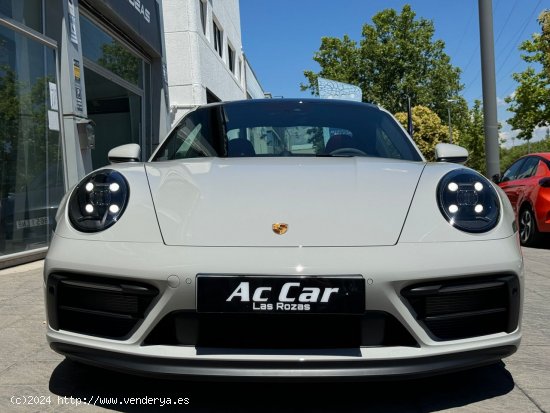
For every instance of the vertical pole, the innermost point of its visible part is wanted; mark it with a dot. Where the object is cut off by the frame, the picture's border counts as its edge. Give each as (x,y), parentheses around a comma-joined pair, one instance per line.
(450,125)
(409,117)
(492,160)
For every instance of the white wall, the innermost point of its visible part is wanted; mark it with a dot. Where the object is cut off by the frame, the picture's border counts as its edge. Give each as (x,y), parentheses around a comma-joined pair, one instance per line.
(193,64)
(253,87)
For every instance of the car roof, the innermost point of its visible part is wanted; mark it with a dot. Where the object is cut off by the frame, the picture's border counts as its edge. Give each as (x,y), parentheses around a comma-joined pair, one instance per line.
(286,101)
(544,155)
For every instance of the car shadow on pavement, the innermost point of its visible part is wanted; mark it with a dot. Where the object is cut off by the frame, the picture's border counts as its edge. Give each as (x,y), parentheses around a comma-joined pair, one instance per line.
(544,243)
(125,393)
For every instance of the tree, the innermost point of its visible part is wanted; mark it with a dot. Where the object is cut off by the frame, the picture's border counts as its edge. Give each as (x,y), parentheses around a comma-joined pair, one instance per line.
(473,138)
(530,103)
(428,129)
(396,57)
(509,155)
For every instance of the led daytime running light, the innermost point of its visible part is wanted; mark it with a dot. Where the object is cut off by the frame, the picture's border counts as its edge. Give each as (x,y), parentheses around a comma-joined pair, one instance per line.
(98,201)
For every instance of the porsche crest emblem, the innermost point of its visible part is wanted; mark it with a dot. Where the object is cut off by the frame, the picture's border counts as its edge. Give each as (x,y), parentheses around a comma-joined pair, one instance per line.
(279,228)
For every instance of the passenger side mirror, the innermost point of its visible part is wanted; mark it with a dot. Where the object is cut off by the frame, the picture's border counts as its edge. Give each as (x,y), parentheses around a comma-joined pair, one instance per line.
(125,153)
(447,152)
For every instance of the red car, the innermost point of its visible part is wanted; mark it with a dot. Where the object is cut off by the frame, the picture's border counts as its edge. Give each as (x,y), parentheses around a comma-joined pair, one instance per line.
(527,184)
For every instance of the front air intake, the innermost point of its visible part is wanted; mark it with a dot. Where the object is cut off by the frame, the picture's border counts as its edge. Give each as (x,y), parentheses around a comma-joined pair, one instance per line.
(280,331)
(456,309)
(102,307)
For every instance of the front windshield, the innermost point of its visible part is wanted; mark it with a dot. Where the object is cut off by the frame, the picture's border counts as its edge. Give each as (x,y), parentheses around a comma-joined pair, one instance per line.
(287,128)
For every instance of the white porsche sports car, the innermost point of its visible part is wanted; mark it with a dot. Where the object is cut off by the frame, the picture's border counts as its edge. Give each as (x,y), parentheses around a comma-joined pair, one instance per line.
(285,239)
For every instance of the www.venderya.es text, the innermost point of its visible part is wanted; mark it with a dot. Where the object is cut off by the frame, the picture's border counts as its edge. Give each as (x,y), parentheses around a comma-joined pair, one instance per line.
(99,401)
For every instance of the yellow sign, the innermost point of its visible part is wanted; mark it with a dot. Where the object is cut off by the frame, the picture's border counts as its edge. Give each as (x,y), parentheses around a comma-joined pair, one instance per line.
(76,70)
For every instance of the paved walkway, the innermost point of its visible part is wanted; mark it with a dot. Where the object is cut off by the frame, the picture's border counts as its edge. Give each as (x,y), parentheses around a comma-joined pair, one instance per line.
(30,371)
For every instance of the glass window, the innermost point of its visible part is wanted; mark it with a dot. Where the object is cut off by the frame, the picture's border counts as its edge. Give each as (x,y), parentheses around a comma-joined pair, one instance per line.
(218,39)
(193,138)
(31,177)
(109,53)
(116,112)
(231,58)
(211,97)
(241,72)
(28,12)
(202,6)
(288,128)
(512,172)
(528,168)
(148,141)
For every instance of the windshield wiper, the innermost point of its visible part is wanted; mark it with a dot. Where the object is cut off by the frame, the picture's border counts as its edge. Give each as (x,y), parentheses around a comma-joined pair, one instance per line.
(328,155)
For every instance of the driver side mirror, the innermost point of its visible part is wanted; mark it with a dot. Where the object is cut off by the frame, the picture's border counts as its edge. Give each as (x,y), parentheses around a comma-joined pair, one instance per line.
(447,152)
(125,153)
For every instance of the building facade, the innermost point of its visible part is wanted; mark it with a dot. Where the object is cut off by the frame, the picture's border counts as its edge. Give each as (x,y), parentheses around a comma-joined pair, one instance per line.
(80,77)
(204,54)
(77,78)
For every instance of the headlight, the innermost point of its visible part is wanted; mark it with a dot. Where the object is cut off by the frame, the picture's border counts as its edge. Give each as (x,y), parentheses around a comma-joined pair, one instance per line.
(468,201)
(98,201)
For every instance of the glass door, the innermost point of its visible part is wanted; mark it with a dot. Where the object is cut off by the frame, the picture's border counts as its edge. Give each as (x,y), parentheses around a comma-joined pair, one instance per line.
(31,162)
(115,81)
(116,112)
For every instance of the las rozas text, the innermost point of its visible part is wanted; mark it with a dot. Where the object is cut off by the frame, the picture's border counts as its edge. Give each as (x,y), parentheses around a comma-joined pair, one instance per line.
(280,307)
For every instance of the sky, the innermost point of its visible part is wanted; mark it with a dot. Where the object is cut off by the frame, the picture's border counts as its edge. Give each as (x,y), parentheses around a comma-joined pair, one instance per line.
(280,37)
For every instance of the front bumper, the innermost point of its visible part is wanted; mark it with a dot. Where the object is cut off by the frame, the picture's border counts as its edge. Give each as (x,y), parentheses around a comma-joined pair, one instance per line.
(387,271)
(272,370)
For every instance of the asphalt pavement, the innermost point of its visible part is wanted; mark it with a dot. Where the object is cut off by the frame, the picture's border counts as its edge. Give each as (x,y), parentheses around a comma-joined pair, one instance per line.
(35,379)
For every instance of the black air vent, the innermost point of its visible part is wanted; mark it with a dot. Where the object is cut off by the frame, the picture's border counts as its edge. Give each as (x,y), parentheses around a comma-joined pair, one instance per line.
(97,306)
(451,310)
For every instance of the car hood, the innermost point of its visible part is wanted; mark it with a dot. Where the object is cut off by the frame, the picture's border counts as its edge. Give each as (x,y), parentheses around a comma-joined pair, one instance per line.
(344,201)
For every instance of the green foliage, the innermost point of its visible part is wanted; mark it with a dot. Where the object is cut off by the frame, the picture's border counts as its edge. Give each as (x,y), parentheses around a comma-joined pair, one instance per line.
(27,146)
(9,126)
(396,57)
(531,101)
(428,129)
(339,61)
(9,105)
(510,155)
(473,138)
(116,58)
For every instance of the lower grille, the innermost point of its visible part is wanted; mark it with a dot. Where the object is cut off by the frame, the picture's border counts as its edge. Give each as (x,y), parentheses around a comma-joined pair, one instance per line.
(451,310)
(100,307)
(280,331)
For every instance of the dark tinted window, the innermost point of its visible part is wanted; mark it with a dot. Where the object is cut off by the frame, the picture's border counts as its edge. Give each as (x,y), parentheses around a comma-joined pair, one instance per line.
(28,12)
(218,39)
(231,58)
(202,7)
(288,128)
(528,168)
(512,172)
(193,138)
(108,52)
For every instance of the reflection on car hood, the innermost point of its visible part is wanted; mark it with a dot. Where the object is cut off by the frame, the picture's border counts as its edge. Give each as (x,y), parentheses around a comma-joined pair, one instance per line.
(351,201)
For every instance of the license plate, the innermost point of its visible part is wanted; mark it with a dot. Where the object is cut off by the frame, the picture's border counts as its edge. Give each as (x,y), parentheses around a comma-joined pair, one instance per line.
(263,294)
